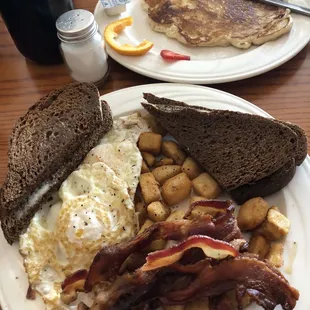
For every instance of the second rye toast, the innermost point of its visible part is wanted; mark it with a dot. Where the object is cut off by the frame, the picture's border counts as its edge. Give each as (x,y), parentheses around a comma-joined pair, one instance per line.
(248,155)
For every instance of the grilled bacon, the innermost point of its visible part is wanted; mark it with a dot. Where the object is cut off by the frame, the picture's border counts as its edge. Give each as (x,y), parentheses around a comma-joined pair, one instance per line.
(212,248)
(108,261)
(186,269)
(221,205)
(260,280)
(245,270)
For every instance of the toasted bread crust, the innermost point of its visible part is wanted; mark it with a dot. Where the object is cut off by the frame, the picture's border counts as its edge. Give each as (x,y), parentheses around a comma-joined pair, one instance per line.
(265,186)
(302,145)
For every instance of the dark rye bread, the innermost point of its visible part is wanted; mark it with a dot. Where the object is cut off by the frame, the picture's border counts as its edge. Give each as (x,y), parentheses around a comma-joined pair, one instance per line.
(266,186)
(278,179)
(234,147)
(302,144)
(46,145)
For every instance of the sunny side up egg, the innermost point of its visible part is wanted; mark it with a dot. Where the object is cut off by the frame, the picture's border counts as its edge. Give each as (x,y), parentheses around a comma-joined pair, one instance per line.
(93,207)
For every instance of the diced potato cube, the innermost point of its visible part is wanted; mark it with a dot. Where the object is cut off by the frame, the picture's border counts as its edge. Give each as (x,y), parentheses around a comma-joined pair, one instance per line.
(148,223)
(252,213)
(174,151)
(198,305)
(144,168)
(156,246)
(246,300)
(148,158)
(232,299)
(275,208)
(157,212)
(191,168)
(149,188)
(197,198)
(175,216)
(200,211)
(150,142)
(141,210)
(164,161)
(176,189)
(174,307)
(156,127)
(275,255)
(275,226)
(259,245)
(204,185)
(164,173)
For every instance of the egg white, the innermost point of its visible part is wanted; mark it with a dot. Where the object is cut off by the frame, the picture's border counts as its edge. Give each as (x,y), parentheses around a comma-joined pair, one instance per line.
(94,207)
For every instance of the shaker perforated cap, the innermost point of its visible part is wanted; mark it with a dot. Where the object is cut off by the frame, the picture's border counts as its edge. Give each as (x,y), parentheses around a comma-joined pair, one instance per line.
(76,26)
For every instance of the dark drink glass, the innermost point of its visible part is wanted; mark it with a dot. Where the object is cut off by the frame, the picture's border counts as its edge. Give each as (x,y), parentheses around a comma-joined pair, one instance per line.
(31,24)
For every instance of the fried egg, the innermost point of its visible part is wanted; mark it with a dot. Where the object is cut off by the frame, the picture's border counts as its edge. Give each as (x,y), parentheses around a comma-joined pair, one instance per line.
(118,149)
(93,207)
(127,128)
(123,157)
(96,211)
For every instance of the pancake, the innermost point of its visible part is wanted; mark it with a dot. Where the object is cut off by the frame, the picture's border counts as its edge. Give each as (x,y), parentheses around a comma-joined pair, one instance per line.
(240,23)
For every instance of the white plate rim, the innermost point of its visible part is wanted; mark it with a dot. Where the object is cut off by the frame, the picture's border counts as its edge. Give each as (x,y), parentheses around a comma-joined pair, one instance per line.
(180,89)
(170,76)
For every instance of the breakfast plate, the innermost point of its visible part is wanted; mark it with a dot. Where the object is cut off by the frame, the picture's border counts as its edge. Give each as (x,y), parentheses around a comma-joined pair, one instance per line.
(208,65)
(292,200)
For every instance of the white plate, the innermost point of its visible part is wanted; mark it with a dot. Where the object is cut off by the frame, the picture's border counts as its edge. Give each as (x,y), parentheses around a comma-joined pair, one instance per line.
(210,65)
(293,200)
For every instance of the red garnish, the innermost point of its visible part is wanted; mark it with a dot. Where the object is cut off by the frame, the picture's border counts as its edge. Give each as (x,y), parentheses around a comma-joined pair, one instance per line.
(169,55)
(212,248)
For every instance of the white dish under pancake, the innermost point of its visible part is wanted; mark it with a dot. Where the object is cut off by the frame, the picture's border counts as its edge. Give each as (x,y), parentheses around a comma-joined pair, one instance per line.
(293,200)
(209,65)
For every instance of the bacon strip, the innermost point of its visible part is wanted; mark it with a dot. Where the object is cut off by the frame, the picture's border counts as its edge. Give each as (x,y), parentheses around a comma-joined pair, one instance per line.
(74,277)
(212,248)
(226,227)
(247,271)
(31,293)
(132,286)
(191,268)
(221,206)
(108,261)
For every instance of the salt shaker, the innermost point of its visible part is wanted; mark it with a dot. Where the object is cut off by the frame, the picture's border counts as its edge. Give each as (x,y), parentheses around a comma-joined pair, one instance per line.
(82,46)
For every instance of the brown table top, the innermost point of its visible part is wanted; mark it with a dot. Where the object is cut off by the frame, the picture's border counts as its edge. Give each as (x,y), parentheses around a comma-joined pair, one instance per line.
(284,92)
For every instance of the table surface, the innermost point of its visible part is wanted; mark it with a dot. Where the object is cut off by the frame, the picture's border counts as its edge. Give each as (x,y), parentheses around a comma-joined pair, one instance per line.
(284,92)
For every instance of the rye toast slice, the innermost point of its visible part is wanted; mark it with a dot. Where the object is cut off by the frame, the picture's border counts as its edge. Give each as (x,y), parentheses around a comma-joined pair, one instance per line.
(234,147)
(265,186)
(46,145)
(302,143)
(278,179)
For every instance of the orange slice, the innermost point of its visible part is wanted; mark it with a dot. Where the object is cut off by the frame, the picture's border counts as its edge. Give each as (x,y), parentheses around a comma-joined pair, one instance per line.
(112,31)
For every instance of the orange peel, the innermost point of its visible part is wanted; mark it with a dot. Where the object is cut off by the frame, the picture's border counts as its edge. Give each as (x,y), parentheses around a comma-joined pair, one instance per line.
(112,31)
